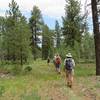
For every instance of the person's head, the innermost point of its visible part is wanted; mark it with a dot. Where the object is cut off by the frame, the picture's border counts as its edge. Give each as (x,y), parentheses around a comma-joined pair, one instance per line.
(69,55)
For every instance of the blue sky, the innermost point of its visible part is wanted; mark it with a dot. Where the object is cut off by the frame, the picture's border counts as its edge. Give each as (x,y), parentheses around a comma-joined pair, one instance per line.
(51,9)
(50,21)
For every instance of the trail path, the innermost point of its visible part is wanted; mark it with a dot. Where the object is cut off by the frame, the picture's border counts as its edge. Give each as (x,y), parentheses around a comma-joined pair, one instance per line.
(83,89)
(58,90)
(45,83)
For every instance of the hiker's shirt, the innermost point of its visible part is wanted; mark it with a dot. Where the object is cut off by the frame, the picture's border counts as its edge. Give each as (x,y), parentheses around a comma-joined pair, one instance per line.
(58,59)
(73,62)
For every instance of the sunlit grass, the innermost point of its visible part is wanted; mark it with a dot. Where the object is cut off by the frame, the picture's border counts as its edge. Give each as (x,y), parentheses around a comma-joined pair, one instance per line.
(27,85)
(85,70)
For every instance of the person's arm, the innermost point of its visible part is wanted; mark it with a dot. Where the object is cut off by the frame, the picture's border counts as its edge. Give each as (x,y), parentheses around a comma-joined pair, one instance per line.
(64,62)
(73,62)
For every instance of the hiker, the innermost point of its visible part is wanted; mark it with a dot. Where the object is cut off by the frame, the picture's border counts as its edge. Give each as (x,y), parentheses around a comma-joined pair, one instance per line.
(48,60)
(69,65)
(58,63)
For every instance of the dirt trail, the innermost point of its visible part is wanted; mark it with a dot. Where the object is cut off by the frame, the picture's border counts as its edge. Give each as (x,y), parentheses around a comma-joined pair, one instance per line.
(58,90)
(86,93)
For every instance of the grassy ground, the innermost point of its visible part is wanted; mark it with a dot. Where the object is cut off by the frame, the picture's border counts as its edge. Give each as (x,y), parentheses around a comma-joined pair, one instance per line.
(43,83)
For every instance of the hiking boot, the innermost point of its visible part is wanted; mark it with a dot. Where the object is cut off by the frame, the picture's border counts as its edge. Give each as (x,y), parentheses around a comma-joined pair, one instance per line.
(70,86)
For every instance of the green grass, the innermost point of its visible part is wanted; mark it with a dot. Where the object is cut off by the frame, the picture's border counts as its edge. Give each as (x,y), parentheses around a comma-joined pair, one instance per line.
(26,86)
(85,70)
(28,82)
(32,96)
(97,85)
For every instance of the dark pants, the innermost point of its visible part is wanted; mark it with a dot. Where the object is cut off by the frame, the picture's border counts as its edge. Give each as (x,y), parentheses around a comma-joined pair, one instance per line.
(58,67)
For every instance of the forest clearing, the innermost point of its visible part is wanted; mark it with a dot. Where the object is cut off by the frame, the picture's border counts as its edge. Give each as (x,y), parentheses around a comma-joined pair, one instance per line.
(44,83)
(50,50)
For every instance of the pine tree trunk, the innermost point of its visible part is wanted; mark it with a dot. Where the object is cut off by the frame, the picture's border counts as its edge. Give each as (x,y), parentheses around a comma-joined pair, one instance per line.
(96,35)
(35,42)
(21,57)
(8,55)
(58,42)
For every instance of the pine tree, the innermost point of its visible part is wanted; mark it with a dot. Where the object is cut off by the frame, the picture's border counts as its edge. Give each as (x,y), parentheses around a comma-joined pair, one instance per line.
(57,34)
(35,25)
(47,43)
(87,48)
(96,30)
(72,22)
(2,30)
(17,35)
(23,40)
(13,16)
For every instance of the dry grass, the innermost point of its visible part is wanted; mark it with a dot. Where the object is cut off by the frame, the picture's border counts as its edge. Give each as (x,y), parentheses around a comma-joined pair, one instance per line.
(43,83)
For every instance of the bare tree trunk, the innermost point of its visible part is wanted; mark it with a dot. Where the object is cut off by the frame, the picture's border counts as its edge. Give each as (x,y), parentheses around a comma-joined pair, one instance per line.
(96,35)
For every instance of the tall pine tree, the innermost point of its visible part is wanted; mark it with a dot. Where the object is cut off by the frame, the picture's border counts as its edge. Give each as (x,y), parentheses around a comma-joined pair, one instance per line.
(72,22)
(47,42)
(16,38)
(35,25)
(57,34)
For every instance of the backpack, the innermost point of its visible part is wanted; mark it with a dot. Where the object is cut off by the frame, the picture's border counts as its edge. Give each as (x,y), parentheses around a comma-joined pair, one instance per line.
(58,60)
(69,64)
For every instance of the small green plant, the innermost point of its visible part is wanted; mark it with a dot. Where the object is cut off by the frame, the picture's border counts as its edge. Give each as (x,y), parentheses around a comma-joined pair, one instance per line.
(28,69)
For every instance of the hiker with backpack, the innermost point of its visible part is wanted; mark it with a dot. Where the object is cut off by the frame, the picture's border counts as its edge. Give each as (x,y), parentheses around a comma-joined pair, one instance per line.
(69,65)
(58,63)
(48,60)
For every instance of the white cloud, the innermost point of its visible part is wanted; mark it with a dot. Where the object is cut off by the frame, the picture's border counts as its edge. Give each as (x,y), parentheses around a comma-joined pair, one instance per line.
(86,6)
(55,8)
(4,4)
(51,8)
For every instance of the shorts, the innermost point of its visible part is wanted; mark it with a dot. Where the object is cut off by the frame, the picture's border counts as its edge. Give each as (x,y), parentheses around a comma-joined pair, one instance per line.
(57,65)
(71,72)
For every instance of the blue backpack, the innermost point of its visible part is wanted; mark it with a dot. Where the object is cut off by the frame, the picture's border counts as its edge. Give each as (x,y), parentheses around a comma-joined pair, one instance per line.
(69,64)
